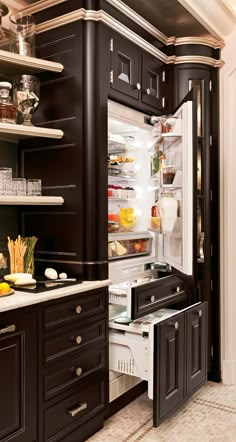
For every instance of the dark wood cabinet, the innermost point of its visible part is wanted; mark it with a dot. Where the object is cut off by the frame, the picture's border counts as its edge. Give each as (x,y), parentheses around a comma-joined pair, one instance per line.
(124,73)
(171,364)
(179,359)
(18,377)
(196,347)
(137,79)
(153,83)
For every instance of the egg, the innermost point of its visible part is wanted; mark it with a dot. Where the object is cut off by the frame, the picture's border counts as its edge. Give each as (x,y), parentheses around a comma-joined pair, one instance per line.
(63,276)
(51,273)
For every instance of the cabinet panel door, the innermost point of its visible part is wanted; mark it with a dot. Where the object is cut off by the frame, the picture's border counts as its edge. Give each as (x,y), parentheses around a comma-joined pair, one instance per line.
(196,346)
(124,68)
(17,380)
(168,365)
(152,83)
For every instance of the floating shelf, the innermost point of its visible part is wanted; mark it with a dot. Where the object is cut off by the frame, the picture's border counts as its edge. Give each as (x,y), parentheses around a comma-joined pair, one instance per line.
(15,64)
(15,132)
(31,200)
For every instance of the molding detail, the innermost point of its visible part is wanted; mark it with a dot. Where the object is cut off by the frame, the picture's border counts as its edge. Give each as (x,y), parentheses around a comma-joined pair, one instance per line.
(41,5)
(83,14)
(212,43)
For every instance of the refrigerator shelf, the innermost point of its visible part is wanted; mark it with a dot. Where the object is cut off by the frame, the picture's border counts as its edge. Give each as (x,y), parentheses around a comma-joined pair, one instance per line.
(132,255)
(110,198)
(120,236)
(120,178)
(116,146)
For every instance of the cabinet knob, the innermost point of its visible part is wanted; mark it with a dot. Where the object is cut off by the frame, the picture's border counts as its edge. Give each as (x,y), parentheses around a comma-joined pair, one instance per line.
(138,86)
(148,91)
(76,410)
(174,324)
(78,371)
(78,340)
(178,289)
(153,299)
(199,313)
(78,309)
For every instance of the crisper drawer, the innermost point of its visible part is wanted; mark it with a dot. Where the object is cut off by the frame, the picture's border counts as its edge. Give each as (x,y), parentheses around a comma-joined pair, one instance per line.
(73,411)
(149,297)
(78,307)
(74,341)
(70,375)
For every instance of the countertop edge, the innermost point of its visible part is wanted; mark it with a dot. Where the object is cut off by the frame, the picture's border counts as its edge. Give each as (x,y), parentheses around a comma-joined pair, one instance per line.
(23,299)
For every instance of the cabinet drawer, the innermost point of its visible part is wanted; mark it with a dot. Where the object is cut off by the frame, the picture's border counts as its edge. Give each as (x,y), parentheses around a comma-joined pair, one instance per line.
(69,376)
(71,412)
(81,306)
(73,341)
(151,296)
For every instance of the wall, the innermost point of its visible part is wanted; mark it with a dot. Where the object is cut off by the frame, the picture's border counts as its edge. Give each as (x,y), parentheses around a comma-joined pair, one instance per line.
(228,210)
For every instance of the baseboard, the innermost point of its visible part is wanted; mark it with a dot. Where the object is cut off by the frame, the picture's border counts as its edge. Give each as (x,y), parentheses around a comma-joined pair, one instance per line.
(229,372)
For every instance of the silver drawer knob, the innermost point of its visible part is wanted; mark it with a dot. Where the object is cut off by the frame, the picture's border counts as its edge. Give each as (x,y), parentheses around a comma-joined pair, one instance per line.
(153,299)
(78,309)
(174,324)
(78,340)
(78,371)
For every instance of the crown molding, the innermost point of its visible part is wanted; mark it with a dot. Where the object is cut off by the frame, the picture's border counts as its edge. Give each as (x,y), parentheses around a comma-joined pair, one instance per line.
(41,5)
(83,14)
(211,42)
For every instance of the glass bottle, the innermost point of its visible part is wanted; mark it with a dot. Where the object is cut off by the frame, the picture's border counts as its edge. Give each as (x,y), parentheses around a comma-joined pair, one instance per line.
(7,109)
(168,212)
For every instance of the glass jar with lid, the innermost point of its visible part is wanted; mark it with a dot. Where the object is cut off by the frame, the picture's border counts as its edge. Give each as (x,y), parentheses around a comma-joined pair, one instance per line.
(168,206)
(7,109)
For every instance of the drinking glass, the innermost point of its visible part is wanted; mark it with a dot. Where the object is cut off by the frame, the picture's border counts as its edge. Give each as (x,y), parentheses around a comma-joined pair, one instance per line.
(127,217)
(19,186)
(26,96)
(5,180)
(22,34)
(34,187)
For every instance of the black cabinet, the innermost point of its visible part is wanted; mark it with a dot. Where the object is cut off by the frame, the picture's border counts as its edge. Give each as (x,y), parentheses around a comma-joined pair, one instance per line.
(179,359)
(137,79)
(18,378)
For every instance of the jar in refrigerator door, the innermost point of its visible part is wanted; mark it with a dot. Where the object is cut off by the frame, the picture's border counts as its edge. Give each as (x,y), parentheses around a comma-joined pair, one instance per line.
(168,212)
(155,216)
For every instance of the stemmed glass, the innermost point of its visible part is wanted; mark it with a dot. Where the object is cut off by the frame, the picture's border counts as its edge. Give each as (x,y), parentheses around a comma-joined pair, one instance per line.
(26,96)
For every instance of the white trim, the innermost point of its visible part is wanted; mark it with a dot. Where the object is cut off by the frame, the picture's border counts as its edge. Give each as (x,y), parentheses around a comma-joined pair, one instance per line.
(212,43)
(229,372)
(83,14)
(41,5)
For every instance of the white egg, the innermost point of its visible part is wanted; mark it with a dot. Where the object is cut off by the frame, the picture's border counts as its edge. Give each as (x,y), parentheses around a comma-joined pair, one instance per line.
(51,273)
(63,276)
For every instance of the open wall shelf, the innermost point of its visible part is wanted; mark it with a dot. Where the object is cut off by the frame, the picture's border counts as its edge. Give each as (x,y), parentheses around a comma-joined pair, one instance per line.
(15,64)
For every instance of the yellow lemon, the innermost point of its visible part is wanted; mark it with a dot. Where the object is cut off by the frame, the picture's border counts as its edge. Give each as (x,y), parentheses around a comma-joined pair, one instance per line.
(4,287)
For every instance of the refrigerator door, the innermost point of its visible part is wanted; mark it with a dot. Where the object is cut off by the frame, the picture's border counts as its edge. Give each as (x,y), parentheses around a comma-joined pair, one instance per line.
(176,202)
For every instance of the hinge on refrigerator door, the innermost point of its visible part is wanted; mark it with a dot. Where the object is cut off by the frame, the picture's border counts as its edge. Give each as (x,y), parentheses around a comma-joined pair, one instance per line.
(210,140)
(163,101)
(111,44)
(210,85)
(163,76)
(111,76)
(212,351)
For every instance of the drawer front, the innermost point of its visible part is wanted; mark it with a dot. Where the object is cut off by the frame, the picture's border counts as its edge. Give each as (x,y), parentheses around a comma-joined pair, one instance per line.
(73,411)
(88,304)
(149,297)
(73,342)
(70,375)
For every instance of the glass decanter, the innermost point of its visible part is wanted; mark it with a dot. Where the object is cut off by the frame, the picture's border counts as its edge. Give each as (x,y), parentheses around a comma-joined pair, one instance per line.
(26,96)
(7,109)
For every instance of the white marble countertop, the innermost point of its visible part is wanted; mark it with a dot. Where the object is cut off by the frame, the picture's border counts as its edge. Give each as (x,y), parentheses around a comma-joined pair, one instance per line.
(22,299)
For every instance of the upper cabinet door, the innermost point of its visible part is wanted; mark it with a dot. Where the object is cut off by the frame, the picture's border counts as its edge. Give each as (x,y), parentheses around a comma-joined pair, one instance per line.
(153,83)
(178,230)
(124,69)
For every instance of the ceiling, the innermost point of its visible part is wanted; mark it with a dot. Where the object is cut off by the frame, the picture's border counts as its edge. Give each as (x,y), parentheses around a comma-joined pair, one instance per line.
(169,17)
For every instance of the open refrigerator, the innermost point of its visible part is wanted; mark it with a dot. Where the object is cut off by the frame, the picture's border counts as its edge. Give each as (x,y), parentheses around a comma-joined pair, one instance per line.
(150,232)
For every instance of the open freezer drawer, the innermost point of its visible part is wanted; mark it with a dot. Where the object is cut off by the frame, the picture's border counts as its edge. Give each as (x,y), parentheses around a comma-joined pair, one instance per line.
(146,295)
(167,349)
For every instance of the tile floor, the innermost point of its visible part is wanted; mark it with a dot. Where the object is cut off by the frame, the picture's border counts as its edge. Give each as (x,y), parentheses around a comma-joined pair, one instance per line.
(210,416)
